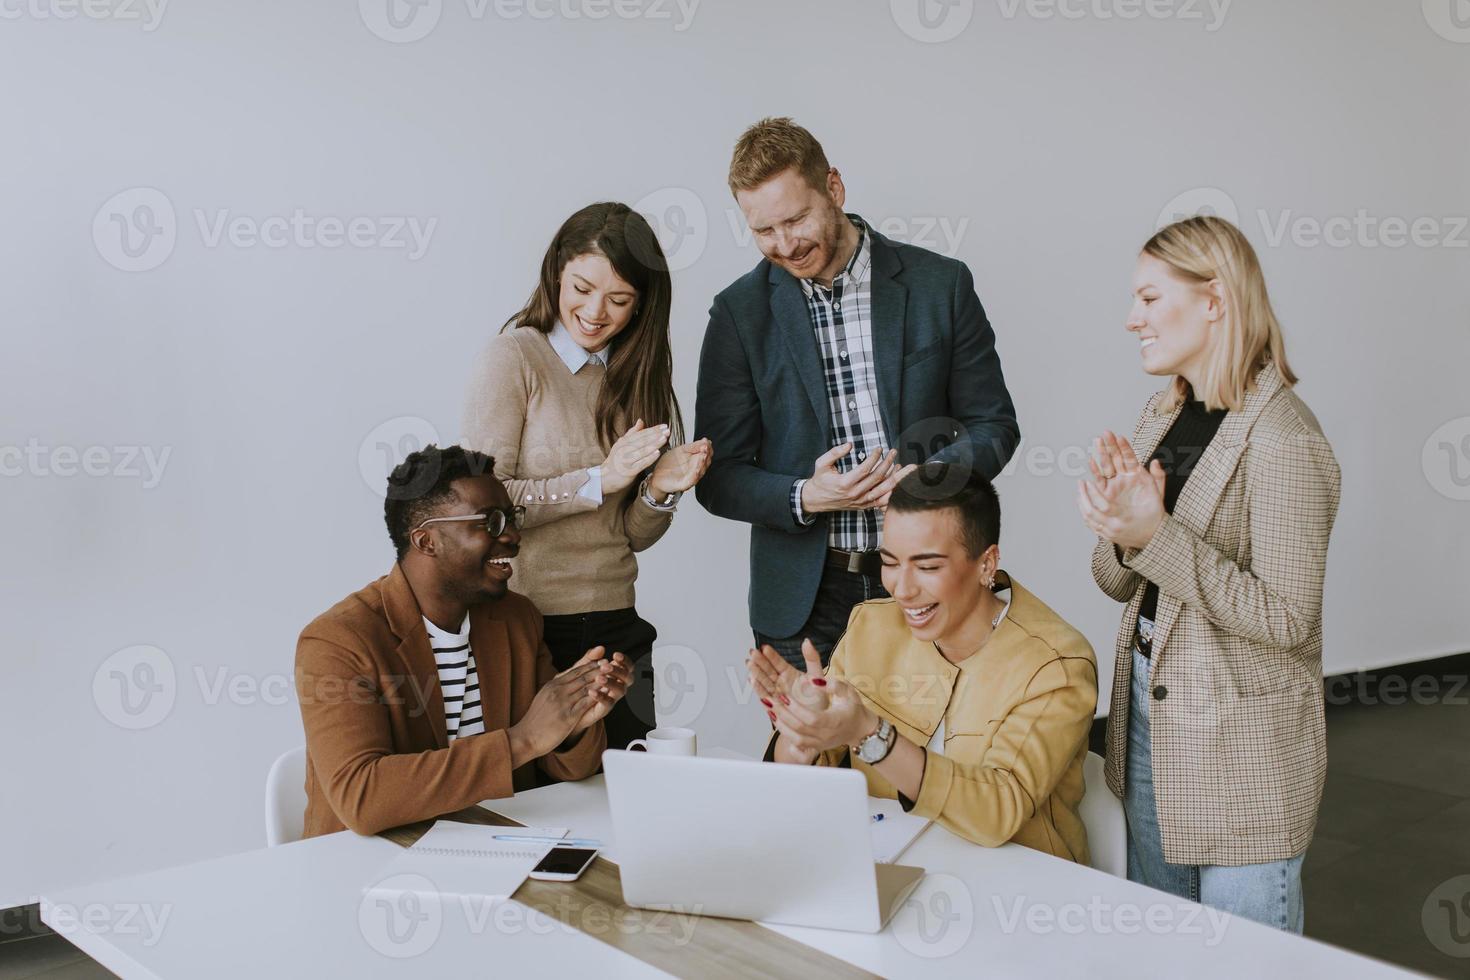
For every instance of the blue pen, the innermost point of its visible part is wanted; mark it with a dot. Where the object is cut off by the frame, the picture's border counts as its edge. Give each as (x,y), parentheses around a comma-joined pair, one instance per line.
(877,817)
(567,841)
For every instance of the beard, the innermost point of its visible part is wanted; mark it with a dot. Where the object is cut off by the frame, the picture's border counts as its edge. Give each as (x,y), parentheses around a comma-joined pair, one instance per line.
(471,587)
(829,240)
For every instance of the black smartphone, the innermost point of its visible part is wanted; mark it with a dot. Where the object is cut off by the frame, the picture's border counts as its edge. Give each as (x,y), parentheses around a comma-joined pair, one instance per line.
(564,863)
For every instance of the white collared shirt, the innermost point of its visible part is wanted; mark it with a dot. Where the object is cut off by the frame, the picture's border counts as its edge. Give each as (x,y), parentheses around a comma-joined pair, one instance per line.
(576,357)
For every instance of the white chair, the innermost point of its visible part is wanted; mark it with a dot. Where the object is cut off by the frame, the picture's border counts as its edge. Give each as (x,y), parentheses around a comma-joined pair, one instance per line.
(1102,815)
(285,798)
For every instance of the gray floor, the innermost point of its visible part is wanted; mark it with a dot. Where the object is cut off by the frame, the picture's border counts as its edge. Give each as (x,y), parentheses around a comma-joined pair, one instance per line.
(49,957)
(1395,826)
(1393,835)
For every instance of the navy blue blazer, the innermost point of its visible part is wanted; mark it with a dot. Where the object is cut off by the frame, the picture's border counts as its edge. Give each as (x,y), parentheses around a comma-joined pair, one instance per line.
(762,402)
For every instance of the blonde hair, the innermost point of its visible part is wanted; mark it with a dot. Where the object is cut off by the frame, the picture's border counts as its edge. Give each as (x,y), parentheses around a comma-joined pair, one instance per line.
(772,146)
(1203,249)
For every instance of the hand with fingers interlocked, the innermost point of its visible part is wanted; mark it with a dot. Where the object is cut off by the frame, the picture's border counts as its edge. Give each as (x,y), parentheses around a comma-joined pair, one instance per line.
(1124,502)
(868,484)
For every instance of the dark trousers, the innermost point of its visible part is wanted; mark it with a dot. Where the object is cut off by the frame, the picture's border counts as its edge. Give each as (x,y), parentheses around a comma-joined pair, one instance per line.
(839,592)
(621,631)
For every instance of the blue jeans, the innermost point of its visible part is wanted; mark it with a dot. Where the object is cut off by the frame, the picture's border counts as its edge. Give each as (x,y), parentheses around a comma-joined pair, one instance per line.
(839,592)
(1270,893)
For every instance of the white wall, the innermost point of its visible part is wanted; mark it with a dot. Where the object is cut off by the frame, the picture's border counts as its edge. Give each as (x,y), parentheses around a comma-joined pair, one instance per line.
(1050,143)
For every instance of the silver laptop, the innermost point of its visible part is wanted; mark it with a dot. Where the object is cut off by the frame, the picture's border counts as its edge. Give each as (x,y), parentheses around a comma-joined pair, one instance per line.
(750,840)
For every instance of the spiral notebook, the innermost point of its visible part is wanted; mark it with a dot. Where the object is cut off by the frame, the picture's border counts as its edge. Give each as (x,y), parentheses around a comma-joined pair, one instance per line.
(463,860)
(894,830)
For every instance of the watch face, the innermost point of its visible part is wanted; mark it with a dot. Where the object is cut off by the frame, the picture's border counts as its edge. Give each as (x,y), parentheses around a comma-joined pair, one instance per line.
(875,747)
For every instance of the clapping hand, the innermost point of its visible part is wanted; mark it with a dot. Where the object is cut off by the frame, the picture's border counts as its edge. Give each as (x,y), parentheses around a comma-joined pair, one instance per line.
(606,687)
(1124,502)
(811,712)
(867,485)
(680,468)
(636,451)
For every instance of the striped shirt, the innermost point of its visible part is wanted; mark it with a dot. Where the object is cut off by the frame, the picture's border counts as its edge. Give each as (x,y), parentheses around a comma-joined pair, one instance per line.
(459,682)
(842,317)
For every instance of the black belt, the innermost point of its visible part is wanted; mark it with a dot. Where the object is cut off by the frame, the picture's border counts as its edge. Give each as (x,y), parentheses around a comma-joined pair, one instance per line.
(857,562)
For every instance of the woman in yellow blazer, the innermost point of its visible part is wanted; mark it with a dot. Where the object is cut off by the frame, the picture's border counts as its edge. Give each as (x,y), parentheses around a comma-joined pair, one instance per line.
(963,695)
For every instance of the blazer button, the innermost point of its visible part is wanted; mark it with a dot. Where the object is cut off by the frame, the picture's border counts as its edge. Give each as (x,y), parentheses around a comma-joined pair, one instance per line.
(1160,693)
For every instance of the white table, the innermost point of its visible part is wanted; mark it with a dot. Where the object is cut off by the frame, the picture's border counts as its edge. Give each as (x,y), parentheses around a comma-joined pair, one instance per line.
(298,910)
(1015,912)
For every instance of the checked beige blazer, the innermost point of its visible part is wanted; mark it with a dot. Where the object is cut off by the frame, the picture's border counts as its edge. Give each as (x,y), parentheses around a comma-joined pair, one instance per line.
(1238,739)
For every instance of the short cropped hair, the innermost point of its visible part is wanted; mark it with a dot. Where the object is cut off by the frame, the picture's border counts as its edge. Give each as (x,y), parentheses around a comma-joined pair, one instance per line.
(420,485)
(933,487)
(772,146)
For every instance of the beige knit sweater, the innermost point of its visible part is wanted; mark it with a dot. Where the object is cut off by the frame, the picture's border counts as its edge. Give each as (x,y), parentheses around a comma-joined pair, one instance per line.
(536,418)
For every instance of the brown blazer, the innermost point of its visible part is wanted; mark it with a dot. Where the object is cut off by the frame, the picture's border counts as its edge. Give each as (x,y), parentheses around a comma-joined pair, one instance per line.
(1239,744)
(377,752)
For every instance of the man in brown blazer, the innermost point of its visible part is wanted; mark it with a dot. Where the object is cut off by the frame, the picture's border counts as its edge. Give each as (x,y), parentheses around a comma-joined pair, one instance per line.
(399,730)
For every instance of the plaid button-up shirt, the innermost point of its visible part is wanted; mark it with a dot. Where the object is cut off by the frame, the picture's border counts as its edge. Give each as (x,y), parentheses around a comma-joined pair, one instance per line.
(842,317)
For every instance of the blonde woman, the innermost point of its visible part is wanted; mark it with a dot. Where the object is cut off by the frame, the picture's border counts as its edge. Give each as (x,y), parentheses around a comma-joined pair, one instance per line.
(1213,526)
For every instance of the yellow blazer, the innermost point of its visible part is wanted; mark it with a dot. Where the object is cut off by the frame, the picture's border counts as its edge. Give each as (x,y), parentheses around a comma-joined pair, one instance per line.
(1016,717)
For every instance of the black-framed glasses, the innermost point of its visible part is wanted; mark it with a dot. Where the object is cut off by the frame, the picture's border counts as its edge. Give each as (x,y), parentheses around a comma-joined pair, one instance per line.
(494,522)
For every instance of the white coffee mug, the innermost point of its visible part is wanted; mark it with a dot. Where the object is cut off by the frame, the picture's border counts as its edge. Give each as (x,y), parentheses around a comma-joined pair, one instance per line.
(668,741)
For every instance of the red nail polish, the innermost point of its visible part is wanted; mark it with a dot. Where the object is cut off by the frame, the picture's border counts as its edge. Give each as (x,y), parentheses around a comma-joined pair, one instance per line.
(771,715)
(785,700)
(819,681)
(767,703)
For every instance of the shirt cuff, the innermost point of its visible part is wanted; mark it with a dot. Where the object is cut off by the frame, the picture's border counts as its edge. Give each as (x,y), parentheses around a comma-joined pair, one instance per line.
(796,512)
(939,775)
(592,489)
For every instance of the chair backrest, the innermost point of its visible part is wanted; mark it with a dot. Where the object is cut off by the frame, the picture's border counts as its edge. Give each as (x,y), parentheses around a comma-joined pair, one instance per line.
(285,798)
(1102,815)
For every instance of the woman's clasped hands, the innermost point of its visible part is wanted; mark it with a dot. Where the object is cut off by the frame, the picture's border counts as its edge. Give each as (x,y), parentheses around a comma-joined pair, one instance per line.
(1124,501)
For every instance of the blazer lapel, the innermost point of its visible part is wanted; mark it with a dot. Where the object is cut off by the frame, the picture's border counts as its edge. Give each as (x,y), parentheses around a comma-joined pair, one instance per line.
(794,324)
(1151,433)
(422,673)
(1151,430)
(890,302)
(1197,502)
(490,643)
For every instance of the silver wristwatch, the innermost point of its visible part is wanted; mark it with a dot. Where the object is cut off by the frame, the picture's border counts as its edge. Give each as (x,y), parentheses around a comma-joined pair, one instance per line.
(670,502)
(875,748)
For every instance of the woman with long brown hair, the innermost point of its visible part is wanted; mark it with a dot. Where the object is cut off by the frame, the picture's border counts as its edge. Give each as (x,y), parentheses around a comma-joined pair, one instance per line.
(575,400)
